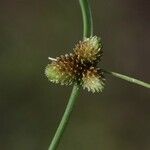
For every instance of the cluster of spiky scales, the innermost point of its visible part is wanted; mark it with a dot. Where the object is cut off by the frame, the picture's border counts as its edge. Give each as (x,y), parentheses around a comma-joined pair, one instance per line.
(79,67)
(89,49)
(93,80)
(63,70)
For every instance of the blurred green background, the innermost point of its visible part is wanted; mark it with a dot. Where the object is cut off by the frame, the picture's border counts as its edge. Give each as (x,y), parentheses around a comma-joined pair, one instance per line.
(31,107)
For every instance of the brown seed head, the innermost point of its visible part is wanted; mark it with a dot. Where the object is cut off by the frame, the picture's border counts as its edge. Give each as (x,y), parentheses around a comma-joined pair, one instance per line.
(79,67)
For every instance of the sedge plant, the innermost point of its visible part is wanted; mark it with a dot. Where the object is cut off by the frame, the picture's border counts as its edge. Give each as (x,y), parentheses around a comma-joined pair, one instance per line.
(80,69)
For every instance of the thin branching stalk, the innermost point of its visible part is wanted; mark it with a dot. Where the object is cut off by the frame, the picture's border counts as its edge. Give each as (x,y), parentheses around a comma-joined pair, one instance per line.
(65,118)
(129,79)
(87,18)
(87,32)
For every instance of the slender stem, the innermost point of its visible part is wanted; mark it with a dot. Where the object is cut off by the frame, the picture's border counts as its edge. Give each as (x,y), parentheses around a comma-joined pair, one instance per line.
(87,18)
(65,118)
(87,32)
(129,79)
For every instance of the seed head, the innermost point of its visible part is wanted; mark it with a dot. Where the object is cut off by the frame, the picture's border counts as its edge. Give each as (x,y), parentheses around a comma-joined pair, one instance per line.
(89,49)
(93,80)
(79,67)
(61,70)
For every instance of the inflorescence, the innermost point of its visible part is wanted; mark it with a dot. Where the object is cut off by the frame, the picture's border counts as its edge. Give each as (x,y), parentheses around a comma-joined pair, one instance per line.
(79,67)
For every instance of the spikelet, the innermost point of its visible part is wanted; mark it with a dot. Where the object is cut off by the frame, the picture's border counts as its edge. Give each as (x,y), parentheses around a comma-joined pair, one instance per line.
(61,70)
(93,80)
(89,49)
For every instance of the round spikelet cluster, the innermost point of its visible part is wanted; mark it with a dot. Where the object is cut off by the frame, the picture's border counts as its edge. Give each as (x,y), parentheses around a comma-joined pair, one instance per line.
(90,49)
(93,80)
(61,70)
(79,67)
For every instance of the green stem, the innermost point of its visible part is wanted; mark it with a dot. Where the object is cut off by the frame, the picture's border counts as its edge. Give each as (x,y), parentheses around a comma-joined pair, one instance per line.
(65,118)
(87,32)
(87,18)
(129,79)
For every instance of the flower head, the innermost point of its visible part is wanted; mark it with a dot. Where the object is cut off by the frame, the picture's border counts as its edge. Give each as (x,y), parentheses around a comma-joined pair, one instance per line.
(89,49)
(93,80)
(79,67)
(61,70)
